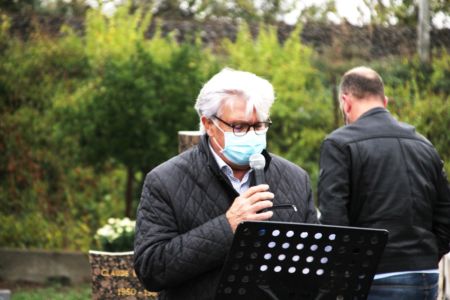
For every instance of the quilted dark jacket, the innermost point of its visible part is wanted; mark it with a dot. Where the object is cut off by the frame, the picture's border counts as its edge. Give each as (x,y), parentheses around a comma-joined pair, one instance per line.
(380,173)
(182,234)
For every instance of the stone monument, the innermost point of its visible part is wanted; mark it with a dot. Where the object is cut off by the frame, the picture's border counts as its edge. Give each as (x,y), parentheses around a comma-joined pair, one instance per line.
(113,277)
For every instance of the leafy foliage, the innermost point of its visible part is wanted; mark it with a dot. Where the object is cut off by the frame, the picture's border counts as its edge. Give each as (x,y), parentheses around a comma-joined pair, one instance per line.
(139,95)
(33,188)
(393,12)
(419,95)
(302,113)
(83,117)
(248,10)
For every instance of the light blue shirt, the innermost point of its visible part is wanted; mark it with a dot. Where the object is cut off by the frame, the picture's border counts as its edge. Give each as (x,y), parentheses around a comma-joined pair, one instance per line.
(239,185)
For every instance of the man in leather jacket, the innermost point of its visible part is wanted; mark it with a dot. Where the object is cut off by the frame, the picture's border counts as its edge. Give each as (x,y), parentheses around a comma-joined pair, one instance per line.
(376,172)
(192,204)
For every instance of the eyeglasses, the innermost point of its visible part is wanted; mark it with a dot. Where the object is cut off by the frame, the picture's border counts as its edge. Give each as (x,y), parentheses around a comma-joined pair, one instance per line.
(241,129)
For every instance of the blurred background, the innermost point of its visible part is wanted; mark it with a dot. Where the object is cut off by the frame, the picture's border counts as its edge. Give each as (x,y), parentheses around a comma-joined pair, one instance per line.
(93,93)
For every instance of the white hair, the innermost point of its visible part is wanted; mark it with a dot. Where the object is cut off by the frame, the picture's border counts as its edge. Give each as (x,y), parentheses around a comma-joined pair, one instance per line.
(228,82)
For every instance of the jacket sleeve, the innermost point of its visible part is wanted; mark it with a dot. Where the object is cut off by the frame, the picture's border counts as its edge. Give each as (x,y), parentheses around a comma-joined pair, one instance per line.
(441,212)
(311,216)
(165,257)
(334,185)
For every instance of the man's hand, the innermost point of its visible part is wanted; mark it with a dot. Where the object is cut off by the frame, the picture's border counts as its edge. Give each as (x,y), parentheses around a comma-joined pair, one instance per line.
(246,206)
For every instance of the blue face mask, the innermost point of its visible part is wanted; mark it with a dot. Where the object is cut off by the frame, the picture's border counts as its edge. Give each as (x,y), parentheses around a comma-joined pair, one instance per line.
(238,149)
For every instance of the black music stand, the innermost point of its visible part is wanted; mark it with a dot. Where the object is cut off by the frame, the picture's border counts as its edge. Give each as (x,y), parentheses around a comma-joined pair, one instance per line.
(282,261)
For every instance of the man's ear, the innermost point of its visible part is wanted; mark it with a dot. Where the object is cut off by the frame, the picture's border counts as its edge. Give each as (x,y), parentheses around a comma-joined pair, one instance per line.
(346,103)
(385,101)
(208,125)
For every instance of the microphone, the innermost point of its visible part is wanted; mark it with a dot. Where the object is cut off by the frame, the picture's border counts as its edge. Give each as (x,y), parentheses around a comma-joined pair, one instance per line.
(257,163)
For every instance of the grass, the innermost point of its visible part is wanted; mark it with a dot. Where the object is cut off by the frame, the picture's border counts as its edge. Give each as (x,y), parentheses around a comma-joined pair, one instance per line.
(52,293)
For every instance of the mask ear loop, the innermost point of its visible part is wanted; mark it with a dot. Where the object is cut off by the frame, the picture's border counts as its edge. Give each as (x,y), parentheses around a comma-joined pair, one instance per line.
(218,126)
(213,138)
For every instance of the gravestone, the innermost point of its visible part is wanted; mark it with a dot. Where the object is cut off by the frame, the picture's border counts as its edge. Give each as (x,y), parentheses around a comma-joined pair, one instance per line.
(113,277)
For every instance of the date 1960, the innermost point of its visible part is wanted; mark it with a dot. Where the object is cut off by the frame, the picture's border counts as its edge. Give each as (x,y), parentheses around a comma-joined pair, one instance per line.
(133,292)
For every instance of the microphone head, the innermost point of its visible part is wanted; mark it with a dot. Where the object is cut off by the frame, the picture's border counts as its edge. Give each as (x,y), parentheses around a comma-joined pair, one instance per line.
(257,161)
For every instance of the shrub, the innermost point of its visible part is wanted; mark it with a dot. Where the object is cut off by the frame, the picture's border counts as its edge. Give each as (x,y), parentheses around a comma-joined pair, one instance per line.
(419,95)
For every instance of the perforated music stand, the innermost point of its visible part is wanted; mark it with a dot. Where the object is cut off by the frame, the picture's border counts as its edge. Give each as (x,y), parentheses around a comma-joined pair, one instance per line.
(281,261)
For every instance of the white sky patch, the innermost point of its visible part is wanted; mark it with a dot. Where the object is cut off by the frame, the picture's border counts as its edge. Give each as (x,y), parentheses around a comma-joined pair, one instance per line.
(109,8)
(92,3)
(441,20)
(355,11)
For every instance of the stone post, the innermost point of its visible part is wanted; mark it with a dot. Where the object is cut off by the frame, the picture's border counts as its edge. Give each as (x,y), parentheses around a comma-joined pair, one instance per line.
(187,139)
(5,294)
(423,31)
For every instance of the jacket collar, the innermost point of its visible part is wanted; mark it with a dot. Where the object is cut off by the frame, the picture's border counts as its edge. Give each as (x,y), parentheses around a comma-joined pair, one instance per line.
(373,111)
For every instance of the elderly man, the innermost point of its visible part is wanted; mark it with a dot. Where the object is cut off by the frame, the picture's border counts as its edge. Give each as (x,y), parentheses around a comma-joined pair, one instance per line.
(191,204)
(379,173)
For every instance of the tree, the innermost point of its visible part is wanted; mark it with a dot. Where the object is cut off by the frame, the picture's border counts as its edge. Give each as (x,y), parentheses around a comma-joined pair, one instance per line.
(269,11)
(26,8)
(317,12)
(402,12)
(141,93)
(18,5)
(33,166)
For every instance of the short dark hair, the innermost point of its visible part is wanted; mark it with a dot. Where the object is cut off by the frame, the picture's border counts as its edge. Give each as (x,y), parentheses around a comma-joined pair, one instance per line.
(362,82)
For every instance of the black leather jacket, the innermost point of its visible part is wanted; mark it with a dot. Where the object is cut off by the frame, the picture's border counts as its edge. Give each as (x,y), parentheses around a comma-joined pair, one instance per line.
(182,234)
(379,173)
